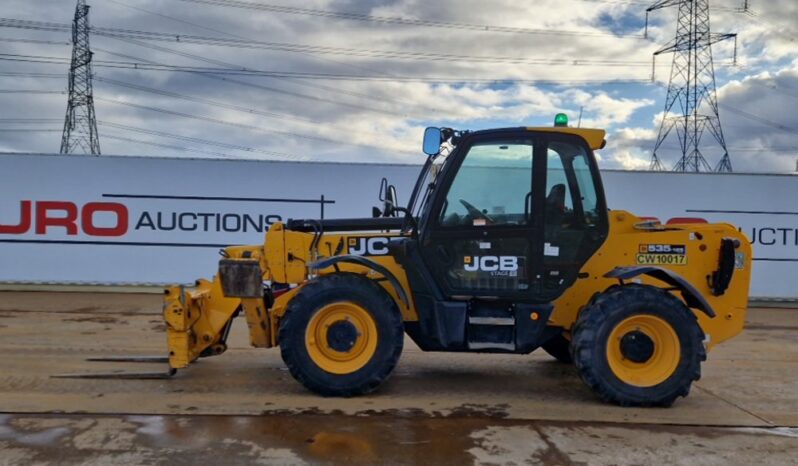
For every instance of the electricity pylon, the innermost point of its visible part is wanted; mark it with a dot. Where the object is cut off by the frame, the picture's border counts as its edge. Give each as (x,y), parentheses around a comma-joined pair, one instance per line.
(692,85)
(80,125)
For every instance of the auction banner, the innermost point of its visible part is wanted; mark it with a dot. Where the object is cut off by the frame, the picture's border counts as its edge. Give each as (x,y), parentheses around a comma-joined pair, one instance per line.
(145,220)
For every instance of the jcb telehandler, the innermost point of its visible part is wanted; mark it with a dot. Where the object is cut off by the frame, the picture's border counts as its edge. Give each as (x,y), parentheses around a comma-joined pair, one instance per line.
(506,245)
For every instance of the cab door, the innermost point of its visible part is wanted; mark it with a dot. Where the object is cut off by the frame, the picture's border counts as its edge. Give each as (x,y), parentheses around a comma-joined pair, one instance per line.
(483,237)
(575,221)
(516,216)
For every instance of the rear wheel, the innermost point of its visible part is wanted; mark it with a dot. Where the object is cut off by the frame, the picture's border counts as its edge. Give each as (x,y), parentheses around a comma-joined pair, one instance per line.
(638,345)
(341,335)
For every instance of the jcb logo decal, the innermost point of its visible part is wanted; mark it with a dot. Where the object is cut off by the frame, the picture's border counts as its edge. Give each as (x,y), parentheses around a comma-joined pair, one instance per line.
(369,246)
(490,263)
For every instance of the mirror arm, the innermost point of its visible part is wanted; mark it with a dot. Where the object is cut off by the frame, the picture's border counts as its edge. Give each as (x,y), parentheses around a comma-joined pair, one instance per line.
(408,217)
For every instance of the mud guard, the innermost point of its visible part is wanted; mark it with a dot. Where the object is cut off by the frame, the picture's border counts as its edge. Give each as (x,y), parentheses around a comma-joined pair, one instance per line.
(692,297)
(329,262)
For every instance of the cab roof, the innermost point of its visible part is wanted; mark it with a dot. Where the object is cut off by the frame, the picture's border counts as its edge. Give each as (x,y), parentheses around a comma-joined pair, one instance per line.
(594,137)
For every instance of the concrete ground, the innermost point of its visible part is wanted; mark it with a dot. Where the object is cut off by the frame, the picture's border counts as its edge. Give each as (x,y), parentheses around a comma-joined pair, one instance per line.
(438,408)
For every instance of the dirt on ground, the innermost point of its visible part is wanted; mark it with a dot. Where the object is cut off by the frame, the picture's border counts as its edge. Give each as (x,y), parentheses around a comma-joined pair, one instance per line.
(438,408)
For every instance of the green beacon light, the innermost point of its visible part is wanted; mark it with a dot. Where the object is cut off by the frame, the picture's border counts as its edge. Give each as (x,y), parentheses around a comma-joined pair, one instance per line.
(561,120)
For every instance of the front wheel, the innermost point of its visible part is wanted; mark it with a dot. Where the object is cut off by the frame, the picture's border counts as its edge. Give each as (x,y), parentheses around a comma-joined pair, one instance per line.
(341,335)
(638,345)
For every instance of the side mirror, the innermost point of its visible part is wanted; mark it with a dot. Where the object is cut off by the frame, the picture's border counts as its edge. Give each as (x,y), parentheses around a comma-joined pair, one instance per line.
(433,137)
(391,201)
(383,190)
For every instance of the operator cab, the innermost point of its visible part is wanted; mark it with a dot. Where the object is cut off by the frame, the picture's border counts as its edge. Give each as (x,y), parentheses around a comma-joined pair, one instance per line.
(505,220)
(511,212)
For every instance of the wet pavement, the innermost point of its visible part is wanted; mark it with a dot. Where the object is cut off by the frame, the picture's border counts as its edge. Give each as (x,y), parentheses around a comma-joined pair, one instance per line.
(335,439)
(438,408)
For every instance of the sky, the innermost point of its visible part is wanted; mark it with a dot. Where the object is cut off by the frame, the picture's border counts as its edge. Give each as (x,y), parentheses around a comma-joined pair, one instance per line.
(358,81)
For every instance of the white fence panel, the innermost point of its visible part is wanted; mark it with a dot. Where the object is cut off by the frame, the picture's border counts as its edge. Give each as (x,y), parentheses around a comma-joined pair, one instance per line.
(123,220)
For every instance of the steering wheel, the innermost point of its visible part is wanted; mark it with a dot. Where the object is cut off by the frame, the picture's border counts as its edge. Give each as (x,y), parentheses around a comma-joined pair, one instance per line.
(475,212)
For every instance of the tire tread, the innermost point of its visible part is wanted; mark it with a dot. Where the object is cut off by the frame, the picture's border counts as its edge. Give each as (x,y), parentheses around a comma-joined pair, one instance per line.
(585,335)
(304,300)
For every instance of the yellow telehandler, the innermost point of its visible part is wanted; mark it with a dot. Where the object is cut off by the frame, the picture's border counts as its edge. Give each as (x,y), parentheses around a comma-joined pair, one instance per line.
(506,245)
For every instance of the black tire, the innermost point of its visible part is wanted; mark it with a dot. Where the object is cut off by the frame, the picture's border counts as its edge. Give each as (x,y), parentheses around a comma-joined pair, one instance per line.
(341,287)
(560,348)
(595,325)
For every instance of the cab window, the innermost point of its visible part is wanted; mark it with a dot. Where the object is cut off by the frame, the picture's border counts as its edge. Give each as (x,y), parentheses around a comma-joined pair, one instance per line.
(493,186)
(571,213)
(571,199)
(584,179)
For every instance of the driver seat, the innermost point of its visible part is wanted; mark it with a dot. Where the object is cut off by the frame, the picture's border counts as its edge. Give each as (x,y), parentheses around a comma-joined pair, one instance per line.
(555,205)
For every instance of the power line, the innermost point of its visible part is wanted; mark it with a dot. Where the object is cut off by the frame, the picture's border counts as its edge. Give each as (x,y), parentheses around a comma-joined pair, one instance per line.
(259,86)
(774,87)
(778,29)
(200,141)
(270,89)
(30,91)
(759,119)
(166,146)
(323,76)
(239,125)
(405,21)
(34,41)
(300,95)
(235,66)
(365,53)
(30,130)
(634,3)
(228,33)
(183,21)
(13,121)
(34,25)
(746,149)
(32,75)
(201,100)
(316,49)
(29,120)
(34,59)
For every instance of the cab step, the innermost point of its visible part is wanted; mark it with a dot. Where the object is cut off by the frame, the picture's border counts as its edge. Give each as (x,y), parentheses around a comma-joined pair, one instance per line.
(486,345)
(491,327)
(491,321)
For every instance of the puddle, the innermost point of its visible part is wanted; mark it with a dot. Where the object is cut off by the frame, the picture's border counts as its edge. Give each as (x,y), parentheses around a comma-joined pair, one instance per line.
(317,438)
(791,432)
(357,440)
(46,437)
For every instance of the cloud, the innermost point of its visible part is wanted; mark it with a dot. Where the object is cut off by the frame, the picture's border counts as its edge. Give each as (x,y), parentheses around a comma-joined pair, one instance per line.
(383,120)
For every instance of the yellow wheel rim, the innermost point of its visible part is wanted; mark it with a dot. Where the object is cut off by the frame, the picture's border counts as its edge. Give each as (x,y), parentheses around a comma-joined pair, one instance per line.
(341,338)
(654,362)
